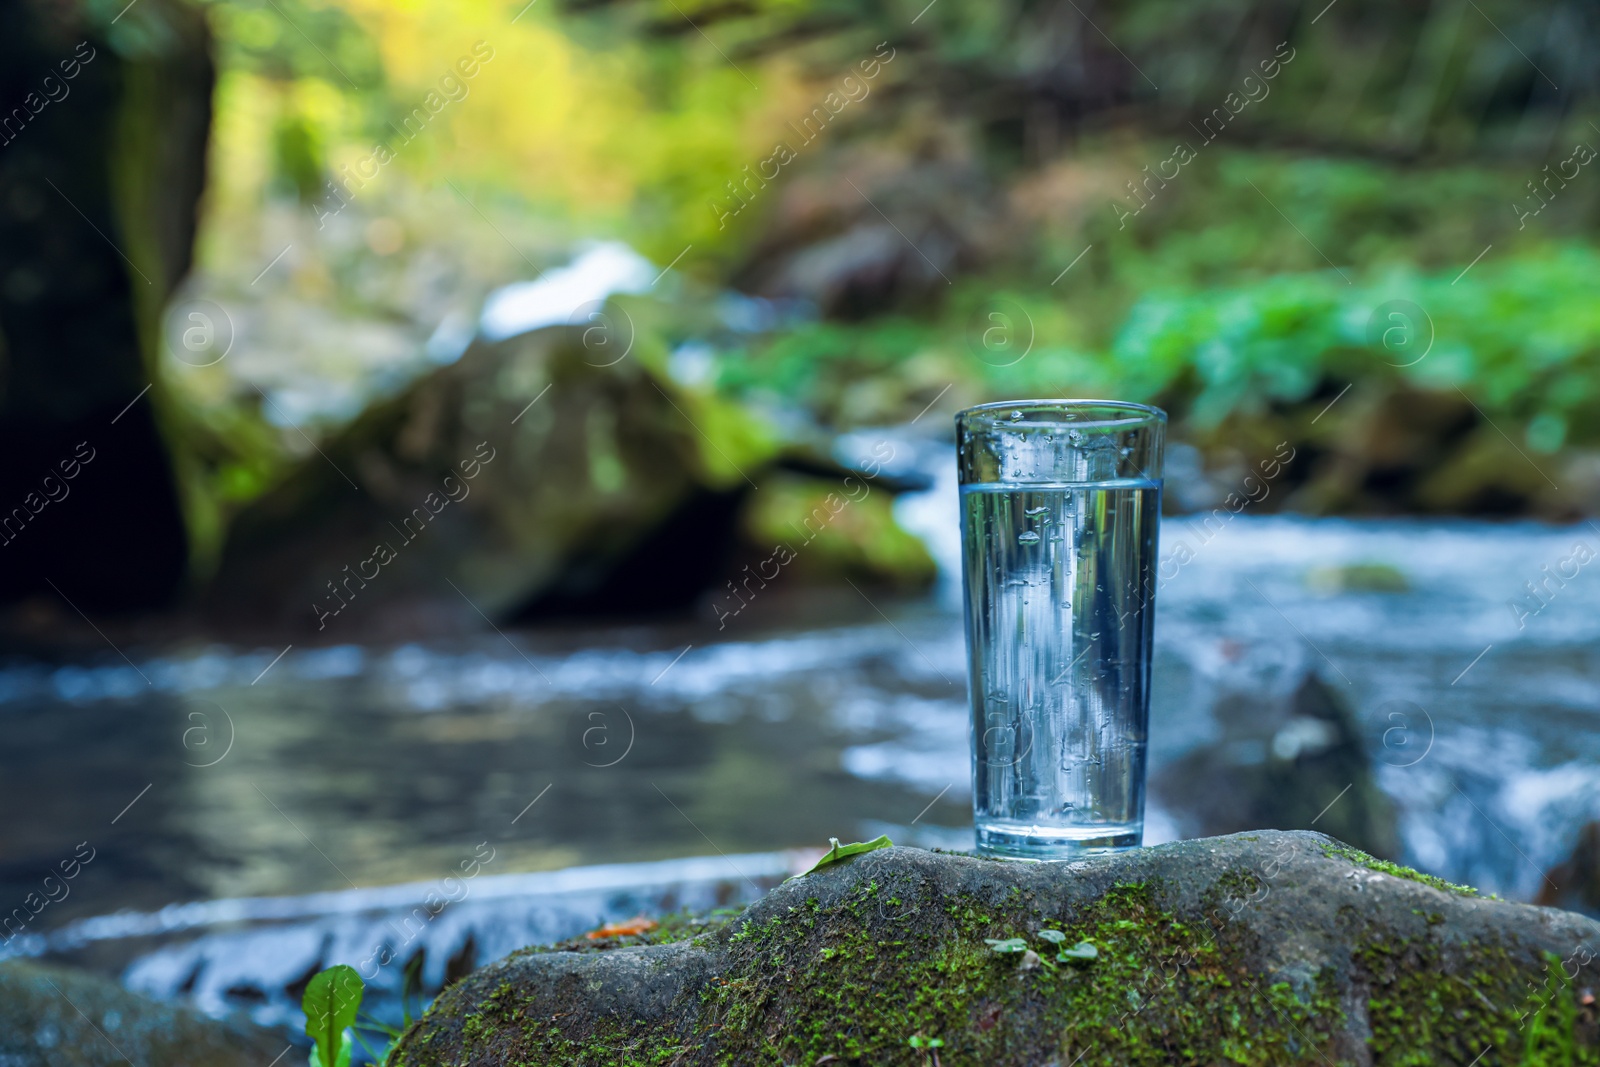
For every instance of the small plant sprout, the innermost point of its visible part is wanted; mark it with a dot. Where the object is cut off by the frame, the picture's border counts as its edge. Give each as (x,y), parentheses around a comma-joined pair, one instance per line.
(929,1046)
(331,1001)
(1083,950)
(1055,937)
(1030,959)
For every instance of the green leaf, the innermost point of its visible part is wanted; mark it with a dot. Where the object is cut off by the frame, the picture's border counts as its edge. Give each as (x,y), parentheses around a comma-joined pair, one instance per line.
(332,999)
(1081,951)
(855,848)
(1055,937)
(344,1057)
(1010,944)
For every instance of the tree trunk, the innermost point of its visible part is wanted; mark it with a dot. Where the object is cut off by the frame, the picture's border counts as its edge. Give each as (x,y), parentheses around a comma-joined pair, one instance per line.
(103,132)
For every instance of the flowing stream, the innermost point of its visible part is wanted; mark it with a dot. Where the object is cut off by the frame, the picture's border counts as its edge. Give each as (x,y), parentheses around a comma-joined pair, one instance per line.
(249,815)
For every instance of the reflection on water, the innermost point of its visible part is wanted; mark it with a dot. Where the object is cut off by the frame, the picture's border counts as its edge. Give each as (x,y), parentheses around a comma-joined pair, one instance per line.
(345,767)
(217,774)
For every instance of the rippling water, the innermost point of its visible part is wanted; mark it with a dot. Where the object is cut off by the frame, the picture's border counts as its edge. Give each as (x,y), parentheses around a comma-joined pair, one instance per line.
(238,778)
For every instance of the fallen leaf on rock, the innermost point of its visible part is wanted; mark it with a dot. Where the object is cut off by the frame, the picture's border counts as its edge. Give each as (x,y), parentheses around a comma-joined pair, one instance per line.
(626,928)
(855,848)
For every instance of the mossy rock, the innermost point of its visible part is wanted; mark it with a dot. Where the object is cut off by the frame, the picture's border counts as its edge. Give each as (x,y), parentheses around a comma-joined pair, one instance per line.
(473,477)
(61,1018)
(1261,948)
(1364,577)
(833,528)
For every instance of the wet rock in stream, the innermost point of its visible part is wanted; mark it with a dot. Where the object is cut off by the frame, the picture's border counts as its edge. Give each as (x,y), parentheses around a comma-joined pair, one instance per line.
(1575,882)
(1292,764)
(52,1017)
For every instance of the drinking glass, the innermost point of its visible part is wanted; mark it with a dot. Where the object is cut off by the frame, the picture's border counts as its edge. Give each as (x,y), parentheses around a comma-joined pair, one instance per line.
(1060,501)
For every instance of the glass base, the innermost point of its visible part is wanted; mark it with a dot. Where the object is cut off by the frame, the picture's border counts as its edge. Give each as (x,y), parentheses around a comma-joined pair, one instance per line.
(1027,841)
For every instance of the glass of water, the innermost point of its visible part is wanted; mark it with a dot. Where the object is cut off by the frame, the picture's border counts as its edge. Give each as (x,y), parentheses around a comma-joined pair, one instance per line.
(1060,501)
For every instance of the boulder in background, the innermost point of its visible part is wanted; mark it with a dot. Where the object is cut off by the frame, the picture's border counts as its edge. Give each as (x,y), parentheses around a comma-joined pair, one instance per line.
(52,1017)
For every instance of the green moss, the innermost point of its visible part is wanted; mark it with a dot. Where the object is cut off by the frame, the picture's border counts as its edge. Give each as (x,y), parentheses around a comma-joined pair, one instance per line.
(1552,1018)
(1418,1019)
(1362,859)
(1233,885)
(862,977)
(1367,577)
(609,1044)
(813,982)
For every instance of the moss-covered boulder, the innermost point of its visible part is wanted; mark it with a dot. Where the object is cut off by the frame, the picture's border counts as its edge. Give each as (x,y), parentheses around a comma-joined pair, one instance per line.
(542,477)
(1261,948)
(51,1017)
(532,468)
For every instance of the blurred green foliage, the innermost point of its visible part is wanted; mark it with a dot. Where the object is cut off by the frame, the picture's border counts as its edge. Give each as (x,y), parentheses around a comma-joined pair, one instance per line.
(1341,159)
(1222,307)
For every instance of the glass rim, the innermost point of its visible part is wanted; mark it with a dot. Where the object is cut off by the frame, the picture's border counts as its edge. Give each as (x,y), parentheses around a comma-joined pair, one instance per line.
(1137,414)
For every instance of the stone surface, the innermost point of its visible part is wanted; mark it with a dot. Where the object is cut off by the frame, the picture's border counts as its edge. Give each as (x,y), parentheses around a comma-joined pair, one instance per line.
(1259,948)
(51,1017)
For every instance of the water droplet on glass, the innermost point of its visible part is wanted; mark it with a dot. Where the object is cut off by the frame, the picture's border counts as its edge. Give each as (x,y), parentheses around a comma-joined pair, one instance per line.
(1027,537)
(1041,510)
(1016,416)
